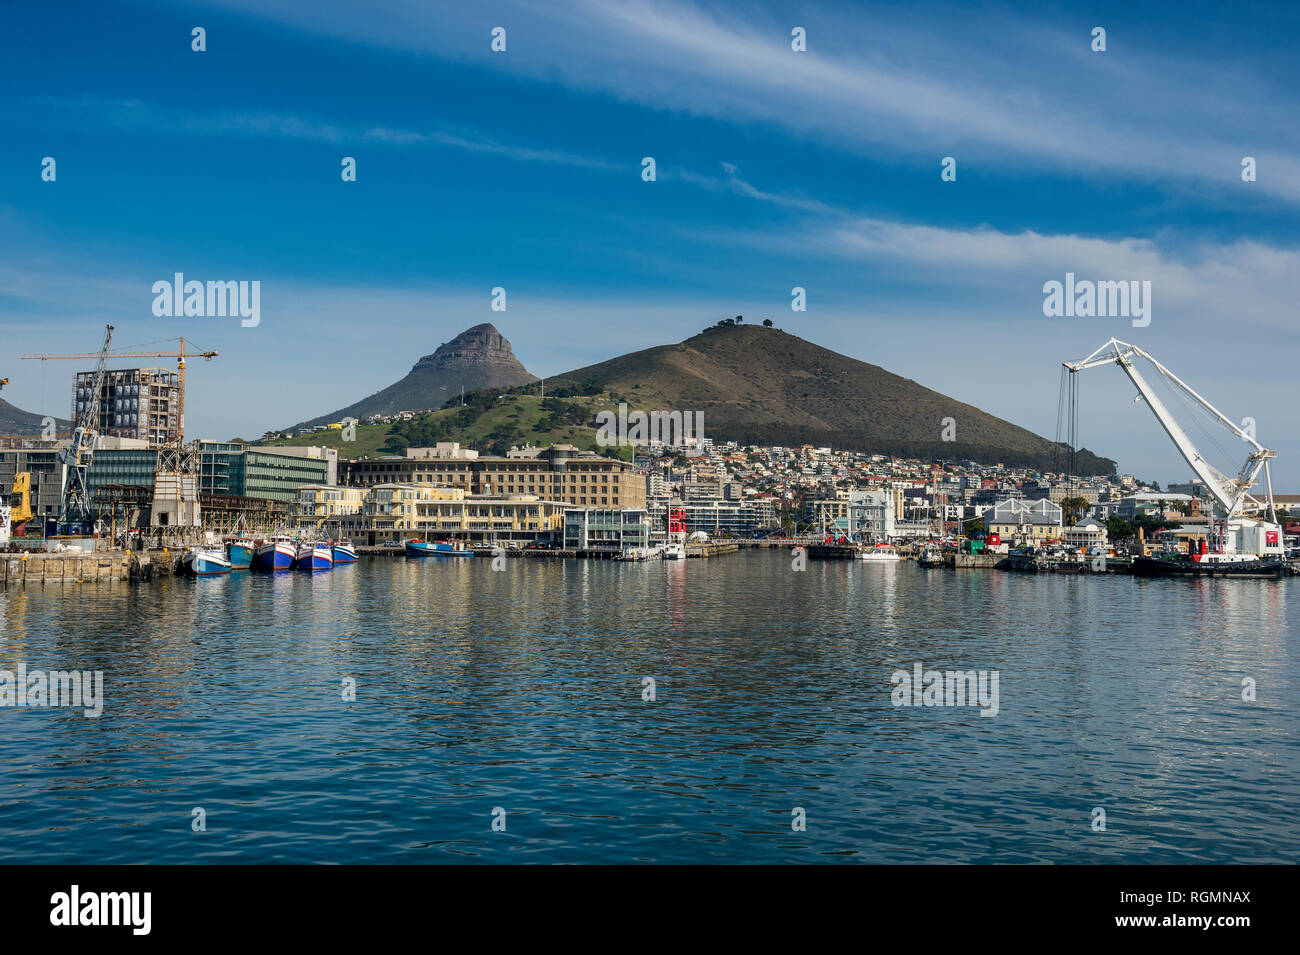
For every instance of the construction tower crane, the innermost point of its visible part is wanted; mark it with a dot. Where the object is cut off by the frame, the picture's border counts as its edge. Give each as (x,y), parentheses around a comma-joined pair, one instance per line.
(76,458)
(1232,495)
(180,355)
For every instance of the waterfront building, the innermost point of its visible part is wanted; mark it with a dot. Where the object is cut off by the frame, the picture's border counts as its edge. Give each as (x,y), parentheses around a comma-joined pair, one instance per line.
(1087,534)
(717,518)
(274,473)
(396,512)
(493,517)
(309,452)
(871,514)
(1033,521)
(325,506)
(388,512)
(613,529)
(558,473)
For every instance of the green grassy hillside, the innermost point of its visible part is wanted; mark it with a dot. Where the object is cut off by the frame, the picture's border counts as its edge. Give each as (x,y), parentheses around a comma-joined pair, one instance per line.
(487,424)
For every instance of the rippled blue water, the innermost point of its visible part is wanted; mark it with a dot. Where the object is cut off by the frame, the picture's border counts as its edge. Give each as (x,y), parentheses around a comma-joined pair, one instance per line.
(522,689)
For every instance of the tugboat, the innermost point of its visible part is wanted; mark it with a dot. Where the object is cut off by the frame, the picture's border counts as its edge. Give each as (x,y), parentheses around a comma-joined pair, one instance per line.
(1202,563)
(276,554)
(416,548)
(314,556)
(931,556)
(198,562)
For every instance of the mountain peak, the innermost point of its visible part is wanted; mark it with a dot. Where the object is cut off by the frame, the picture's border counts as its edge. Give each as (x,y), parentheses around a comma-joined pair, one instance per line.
(480,347)
(479,357)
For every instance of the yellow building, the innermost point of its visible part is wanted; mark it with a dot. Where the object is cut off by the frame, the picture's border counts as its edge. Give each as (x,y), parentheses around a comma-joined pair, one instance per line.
(397,512)
(389,511)
(319,505)
(559,473)
(1029,521)
(492,517)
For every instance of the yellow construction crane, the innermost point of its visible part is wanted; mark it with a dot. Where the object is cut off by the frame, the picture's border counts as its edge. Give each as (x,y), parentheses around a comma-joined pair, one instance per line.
(180,355)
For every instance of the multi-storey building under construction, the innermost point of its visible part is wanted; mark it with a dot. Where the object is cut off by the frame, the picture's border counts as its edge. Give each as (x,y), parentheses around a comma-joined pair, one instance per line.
(143,403)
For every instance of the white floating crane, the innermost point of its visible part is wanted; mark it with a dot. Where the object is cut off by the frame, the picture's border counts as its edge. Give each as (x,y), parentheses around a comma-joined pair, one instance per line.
(1232,495)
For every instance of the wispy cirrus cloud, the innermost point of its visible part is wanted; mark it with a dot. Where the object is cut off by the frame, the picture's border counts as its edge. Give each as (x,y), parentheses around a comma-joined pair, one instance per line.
(1001,90)
(142,115)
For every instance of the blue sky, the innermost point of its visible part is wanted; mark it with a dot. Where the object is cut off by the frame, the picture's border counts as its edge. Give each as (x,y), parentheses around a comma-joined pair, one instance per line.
(521,169)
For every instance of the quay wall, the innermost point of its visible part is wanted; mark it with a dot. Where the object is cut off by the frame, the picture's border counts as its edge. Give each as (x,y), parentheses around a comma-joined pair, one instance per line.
(38,567)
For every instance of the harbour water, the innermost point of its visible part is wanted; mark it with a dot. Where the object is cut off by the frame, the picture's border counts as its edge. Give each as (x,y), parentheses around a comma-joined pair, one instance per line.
(522,689)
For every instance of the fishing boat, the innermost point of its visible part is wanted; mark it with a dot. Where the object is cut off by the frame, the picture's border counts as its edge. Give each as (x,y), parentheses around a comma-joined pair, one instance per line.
(314,556)
(344,552)
(879,553)
(200,562)
(276,554)
(931,556)
(240,553)
(415,548)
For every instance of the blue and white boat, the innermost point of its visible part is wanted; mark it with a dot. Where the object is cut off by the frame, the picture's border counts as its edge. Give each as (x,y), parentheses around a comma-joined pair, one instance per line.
(344,552)
(277,554)
(241,554)
(198,562)
(314,556)
(437,549)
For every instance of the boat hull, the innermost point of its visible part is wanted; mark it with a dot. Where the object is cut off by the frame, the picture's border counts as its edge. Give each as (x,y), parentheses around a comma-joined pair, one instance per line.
(343,553)
(241,555)
(1265,567)
(204,564)
(274,556)
(314,558)
(434,549)
(879,556)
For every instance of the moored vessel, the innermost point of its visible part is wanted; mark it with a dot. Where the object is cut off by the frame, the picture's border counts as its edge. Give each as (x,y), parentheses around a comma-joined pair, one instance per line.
(199,562)
(1210,565)
(314,556)
(276,554)
(879,553)
(419,548)
(240,552)
(344,552)
(931,556)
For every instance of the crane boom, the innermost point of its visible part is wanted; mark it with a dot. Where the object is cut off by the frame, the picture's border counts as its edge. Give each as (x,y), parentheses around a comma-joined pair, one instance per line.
(126,354)
(1229,493)
(76,458)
